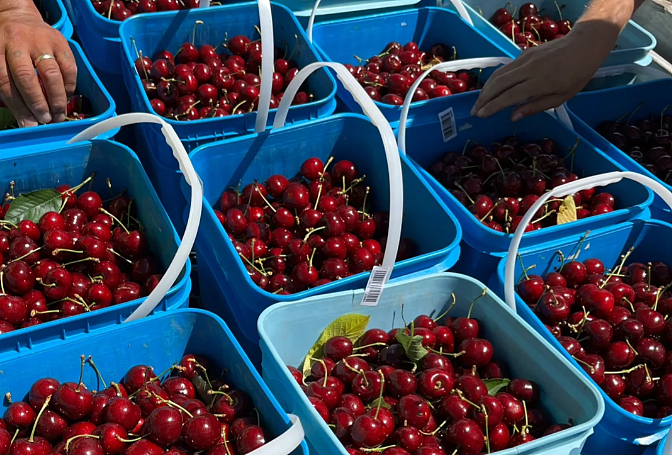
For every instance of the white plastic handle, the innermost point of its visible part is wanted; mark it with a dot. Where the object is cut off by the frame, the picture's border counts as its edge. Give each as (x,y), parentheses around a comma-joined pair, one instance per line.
(267,65)
(286,442)
(631,68)
(667,448)
(389,143)
(461,10)
(565,190)
(311,20)
(204,4)
(180,154)
(485,62)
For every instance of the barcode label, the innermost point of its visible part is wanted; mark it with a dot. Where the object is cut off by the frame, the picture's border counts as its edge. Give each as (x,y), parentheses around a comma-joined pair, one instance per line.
(447,120)
(374,288)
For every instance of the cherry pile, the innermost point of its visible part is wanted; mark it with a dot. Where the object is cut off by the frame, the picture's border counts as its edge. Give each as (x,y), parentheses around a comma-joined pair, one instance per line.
(615,324)
(499,185)
(453,399)
(144,414)
(199,83)
(647,142)
(78,108)
(79,259)
(307,231)
(530,29)
(388,77)
(120,10)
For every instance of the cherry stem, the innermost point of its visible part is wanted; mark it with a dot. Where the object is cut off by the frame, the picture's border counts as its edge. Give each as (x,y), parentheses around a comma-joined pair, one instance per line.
(137,54)
(95,368)
(366,195)
(252,265)
(452,304)
(459,187)
(266,201)
(459,393)
(219,392)
(311,231)
(78,187)
(80,260)
(116,386)
(629,370)
(578,249)
(366,381)
(67,444)
(501,201)
(26,255)
(354,183)
(193,32)
(592,370)
(485,291)
(369,346)
(624,257)
(380,397)
(16,433)
(172,404)
(319,193)
(8,223)
(81,374)
(558,8)
(2,282)
(571,152)
(37,419)
(634,112)
(541,218)
(129,441)
(464,149)
(114,218)
(116,254)
(487,433)
(296,44)
(33,313)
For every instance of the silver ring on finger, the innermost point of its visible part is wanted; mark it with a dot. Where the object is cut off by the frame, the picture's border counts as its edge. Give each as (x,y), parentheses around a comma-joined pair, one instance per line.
(43,57)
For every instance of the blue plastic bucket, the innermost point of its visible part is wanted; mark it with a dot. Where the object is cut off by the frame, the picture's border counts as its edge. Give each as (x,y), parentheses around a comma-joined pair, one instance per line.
(54,13)
(588,110)
(483,247)
(115,349)
(228,290)
(619,431)
(633,45)
(288,330)
(88,85)
(340,40)
(156,32)
(50,165)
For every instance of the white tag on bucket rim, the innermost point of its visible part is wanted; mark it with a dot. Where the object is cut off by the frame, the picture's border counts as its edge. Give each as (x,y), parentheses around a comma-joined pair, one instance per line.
(374,288)
(448,128)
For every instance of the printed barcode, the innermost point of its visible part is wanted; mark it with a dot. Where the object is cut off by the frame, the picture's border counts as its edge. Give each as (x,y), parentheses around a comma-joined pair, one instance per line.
(374,288)
(447,121)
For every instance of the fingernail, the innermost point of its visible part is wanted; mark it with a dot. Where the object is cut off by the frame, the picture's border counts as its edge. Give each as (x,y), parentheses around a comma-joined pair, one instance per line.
(59,118)
(480,113)
(516,117)
(45,118)
(28,121)
(473,111)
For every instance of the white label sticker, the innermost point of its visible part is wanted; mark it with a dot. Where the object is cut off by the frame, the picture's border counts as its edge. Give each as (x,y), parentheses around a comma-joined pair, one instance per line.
(374,288)
(447,120)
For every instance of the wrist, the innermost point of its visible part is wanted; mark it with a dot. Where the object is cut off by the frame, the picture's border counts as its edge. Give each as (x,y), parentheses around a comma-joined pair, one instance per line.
(601,36)
(13,7)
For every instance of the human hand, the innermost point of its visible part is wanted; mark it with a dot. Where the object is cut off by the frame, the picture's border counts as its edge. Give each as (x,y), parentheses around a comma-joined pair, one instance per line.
(24,37)
(546,76)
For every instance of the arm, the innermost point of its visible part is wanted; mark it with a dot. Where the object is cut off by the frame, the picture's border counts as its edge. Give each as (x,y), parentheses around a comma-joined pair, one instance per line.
(24,37)
(546,76)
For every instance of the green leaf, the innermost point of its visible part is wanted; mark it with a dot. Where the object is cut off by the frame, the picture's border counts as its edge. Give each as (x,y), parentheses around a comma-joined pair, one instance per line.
(6,118)
(31,206)
(412,345)
(379,402)
(351,326)
(495,385)
(202,388)
(567,211)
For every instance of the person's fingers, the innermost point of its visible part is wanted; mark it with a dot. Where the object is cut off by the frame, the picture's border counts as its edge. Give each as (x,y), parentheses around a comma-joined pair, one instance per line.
(12,98)
(518,94)
(537,105)
(497,84)
(68,66)
(49,72)
(26,80)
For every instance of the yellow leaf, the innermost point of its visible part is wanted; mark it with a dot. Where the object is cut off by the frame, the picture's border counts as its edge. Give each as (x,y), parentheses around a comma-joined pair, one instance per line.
(567,211)
(351,326)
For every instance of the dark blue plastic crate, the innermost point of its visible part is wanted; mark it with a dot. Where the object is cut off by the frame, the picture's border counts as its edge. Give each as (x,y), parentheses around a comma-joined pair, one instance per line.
(156,32)
(619,431)
(228,289)
(588,110)
(88,85)
(482,246)
(158,341)
(48,166)
(633,45)
(340,40)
